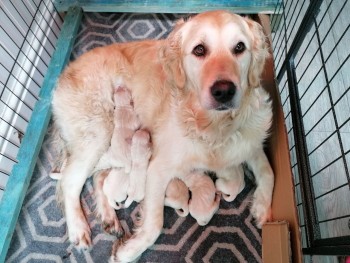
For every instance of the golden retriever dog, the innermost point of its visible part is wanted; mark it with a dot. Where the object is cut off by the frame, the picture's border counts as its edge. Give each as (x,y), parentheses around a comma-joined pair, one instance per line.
(198,94)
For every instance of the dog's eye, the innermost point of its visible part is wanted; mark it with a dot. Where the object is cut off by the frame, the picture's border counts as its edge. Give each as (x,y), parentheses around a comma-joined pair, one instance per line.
(199,51)
(240,47)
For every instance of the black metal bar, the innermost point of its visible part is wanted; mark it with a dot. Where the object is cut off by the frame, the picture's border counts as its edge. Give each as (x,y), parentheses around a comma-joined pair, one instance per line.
(331,100)
(52,12)
(330,191)
(329,164)
(18,114)
(47,23)
(9,157)
(321,20)
(309,207)
(331,241)
(304,27)
(274,20)
(327,250)
(29,30)
(330,135)
(285,38)
(9,141)
(23,86)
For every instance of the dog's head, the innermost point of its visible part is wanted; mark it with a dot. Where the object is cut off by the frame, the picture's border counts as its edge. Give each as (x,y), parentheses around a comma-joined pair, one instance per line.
(219,56)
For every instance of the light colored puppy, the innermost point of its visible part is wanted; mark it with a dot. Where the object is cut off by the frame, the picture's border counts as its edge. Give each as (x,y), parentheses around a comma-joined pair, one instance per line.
(177,196)
(204,200)
(197,92)
(126,123)
(115,187)
(140,154)
(120,186)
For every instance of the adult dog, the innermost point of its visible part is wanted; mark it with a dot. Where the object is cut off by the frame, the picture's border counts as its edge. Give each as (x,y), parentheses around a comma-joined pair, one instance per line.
(197,92)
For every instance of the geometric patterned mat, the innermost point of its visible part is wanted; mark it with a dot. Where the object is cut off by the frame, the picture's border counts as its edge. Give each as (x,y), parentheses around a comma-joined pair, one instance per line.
(40,234)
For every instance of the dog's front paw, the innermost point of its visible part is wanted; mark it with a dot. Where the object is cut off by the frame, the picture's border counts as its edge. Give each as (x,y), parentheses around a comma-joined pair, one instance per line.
(229,188)
(79,234)
(261,208)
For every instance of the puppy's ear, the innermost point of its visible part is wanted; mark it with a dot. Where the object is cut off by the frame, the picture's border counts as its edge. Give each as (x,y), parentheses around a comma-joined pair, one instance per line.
(172,56)
(259,53)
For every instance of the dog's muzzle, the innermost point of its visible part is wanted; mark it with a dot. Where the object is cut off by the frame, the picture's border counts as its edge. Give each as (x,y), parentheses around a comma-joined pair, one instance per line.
(223,91)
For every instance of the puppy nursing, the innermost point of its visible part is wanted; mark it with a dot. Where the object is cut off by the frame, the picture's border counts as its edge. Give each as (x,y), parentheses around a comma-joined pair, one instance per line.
(198,95)
(204,201)
(125,125)
(128,154)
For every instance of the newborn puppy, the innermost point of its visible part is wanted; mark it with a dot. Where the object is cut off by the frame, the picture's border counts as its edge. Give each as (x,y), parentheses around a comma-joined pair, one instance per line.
(126,123)
(115,187)
(177,196)
(140,154)
(204,201)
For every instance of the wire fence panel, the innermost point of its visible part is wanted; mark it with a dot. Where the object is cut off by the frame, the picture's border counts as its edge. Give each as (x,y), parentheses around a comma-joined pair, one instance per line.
(312,64)
(28,34)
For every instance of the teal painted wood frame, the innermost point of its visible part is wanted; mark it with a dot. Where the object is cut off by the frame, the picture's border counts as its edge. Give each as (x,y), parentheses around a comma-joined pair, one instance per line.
(170,6)
(17,185)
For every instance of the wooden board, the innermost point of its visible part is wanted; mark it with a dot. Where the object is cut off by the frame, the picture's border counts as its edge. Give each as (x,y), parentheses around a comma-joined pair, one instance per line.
(170,6)
(19,179)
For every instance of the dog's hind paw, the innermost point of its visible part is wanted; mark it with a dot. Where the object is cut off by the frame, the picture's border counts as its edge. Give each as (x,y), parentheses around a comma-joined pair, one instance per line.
(116,246)
(113,228)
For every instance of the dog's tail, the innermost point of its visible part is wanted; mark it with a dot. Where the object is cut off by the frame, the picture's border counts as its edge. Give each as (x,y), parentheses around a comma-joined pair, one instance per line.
(59,149)
(60,156)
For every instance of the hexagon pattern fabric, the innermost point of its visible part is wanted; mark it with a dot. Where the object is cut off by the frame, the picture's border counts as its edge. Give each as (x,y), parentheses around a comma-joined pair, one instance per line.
(40,234)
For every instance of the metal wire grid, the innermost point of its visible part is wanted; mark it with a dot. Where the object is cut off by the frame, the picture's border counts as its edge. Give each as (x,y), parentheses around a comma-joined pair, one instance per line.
(312,62)
(28,33)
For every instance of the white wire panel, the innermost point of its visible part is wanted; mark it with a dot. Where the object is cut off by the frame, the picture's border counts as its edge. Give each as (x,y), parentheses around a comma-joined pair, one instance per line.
(28,33)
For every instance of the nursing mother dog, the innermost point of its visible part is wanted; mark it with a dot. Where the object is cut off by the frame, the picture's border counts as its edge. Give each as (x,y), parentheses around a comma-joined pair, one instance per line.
(198,94)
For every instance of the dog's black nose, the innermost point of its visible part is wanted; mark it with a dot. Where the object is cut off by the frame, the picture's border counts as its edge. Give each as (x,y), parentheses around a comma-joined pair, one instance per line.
(223,90)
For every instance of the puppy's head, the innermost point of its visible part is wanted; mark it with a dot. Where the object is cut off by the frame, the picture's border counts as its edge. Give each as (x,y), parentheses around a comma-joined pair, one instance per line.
(219,56)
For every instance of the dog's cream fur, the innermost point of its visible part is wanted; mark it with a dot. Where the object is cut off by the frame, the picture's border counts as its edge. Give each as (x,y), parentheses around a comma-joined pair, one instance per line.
(231,187)
(172,87)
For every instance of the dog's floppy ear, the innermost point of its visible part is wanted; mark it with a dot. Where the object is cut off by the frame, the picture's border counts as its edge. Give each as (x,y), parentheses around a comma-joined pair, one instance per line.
(259,53)
(172,56)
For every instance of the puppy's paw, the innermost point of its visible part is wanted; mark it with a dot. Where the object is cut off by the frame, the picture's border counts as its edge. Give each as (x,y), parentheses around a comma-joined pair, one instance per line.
(79,235)
(261,208)
(183,212)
